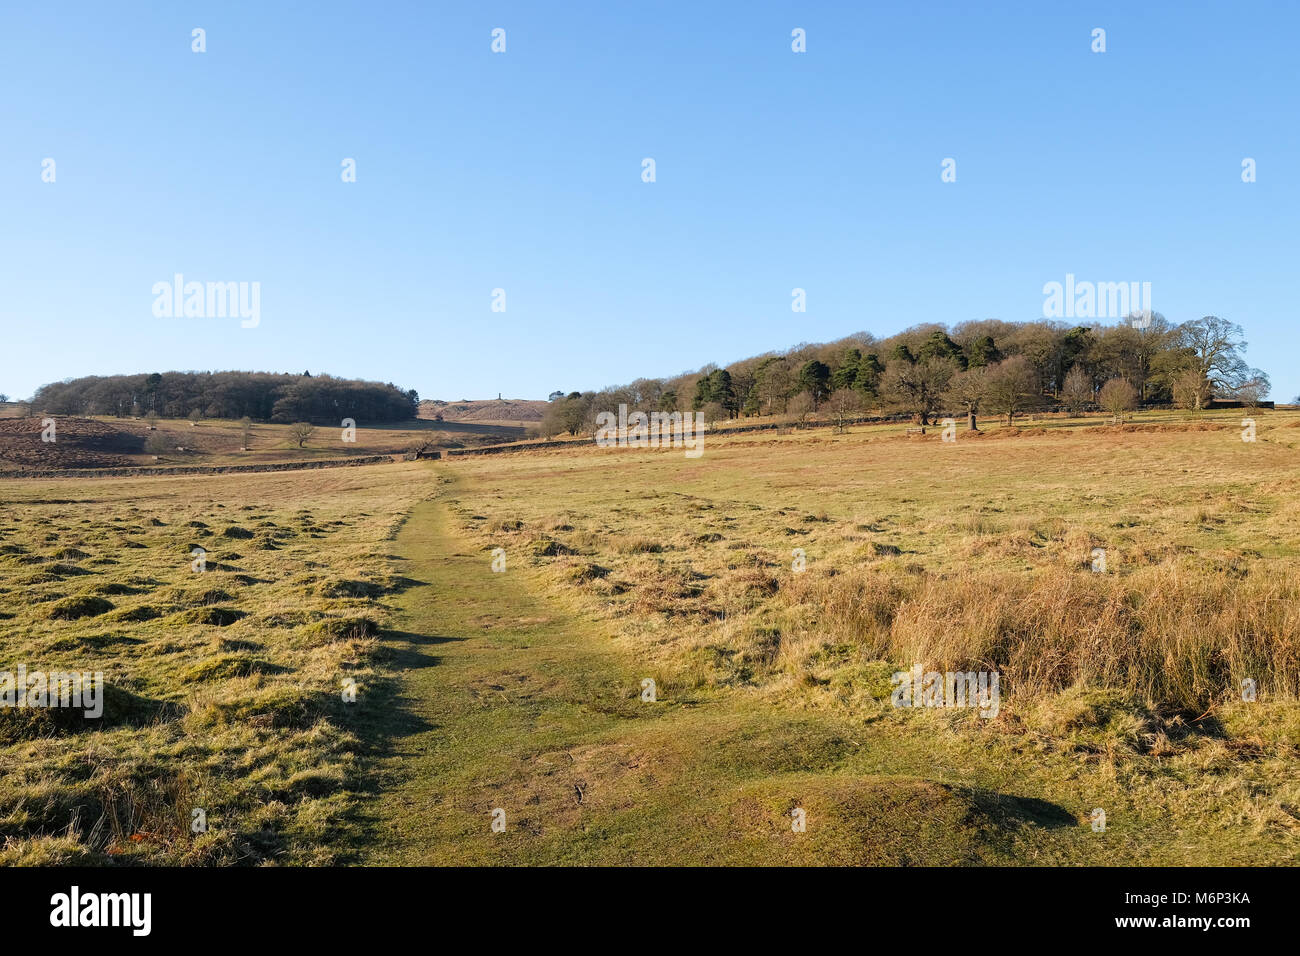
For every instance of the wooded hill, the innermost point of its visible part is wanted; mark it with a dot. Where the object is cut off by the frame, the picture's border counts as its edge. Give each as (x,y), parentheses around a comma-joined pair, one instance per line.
(981,366)
(262,396)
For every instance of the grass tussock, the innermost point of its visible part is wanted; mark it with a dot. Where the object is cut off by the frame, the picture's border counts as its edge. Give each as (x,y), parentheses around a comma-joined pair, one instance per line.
(75,608)
(1181,639)
(221,681)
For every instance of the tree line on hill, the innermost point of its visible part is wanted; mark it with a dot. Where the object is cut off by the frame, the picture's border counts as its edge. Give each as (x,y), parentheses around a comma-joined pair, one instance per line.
(986,366)
(264,396)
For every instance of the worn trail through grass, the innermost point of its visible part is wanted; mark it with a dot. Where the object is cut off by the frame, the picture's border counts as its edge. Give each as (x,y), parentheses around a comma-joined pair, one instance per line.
(506,701)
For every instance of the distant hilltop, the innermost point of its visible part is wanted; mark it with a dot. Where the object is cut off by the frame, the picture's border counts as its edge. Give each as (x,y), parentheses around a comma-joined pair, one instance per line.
(484,410)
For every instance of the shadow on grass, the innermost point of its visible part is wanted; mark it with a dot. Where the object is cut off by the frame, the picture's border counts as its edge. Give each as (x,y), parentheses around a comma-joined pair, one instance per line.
(383,717)
(402,583)
(118,707)
(1011,812)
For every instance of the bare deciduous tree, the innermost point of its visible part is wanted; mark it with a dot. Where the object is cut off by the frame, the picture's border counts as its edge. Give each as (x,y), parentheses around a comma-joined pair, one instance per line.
(801,405)
(158,444)
(1117,396)
(916,387)
(1253,390)
(844,401)
(1213,346)
(1011,387)
(1190,390)
(1076,393)
(301,431)
(968,389)
(712,412)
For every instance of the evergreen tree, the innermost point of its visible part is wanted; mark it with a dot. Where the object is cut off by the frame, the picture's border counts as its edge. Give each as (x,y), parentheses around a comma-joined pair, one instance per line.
(983,352)
(815,378)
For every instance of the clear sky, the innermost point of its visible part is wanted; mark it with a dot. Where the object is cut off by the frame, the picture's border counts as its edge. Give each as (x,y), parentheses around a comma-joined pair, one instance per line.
(523,171)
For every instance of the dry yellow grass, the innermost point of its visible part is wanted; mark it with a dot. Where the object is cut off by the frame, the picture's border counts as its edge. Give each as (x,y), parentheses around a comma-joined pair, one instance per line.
(771,586)
(976,552)
(224,684)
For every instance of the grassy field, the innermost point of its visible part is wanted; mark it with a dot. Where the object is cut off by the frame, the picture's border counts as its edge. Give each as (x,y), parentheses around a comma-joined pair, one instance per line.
(521,691)
(122,442)
(224,685)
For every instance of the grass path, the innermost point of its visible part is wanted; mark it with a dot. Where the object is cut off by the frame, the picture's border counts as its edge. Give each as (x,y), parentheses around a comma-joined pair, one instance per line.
(488,679)
(502,699)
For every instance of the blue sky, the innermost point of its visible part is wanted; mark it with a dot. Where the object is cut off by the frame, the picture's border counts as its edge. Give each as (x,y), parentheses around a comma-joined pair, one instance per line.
(522,171)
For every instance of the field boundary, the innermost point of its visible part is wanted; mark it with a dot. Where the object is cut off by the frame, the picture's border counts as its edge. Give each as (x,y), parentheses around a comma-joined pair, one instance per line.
(719,432)
(144,471)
